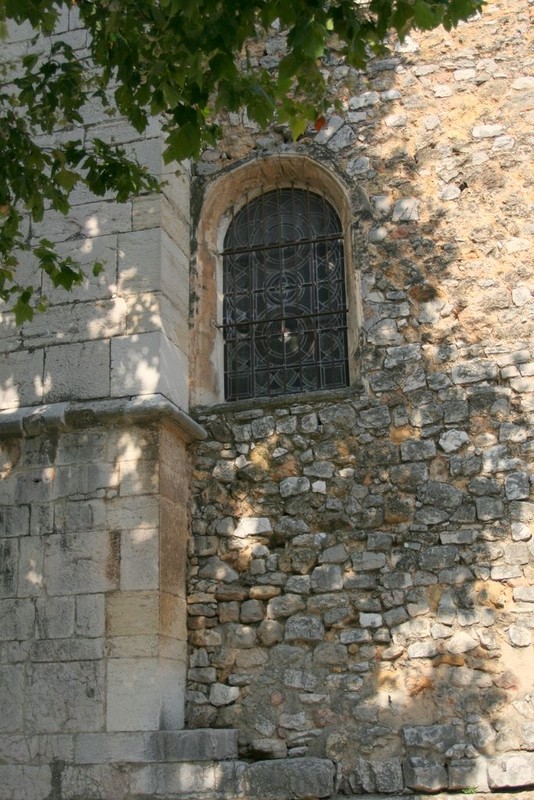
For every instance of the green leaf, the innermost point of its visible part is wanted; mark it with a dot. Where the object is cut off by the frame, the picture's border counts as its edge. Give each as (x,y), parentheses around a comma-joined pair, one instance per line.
(67,179)
(425,17)
(22,308)
(314,40)
(184,60)
(182,143)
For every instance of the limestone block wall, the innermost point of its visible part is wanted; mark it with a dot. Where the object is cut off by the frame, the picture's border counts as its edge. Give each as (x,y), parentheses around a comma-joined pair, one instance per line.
(92,611)
(362,561)
(128,326)
(93,517)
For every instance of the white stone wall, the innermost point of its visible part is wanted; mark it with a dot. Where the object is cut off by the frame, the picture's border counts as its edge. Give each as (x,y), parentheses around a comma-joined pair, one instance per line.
(128,326)
(92,602)
(93,519)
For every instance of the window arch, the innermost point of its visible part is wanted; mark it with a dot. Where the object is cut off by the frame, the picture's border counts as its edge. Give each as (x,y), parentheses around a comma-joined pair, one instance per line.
(284,296)
(231,195)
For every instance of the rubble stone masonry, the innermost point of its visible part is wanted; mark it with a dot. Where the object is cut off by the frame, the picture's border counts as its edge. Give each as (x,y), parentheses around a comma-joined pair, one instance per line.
(362,560)
(301,596)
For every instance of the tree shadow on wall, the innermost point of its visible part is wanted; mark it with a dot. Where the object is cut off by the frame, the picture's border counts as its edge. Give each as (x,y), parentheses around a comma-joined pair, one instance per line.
(364,609)
(360,564)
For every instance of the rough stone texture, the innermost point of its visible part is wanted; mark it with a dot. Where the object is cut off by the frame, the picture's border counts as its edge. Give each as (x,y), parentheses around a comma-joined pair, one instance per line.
(299,778)
(360,602)
(395,557)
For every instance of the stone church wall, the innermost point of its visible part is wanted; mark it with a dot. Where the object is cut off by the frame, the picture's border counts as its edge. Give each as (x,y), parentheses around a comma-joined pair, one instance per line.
(360,570)
(362,560)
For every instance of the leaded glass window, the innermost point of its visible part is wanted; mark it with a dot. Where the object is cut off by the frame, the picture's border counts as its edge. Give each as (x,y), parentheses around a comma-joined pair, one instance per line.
(284,307)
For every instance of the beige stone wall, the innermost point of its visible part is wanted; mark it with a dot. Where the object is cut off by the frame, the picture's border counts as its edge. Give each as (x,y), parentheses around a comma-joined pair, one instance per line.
(361,580)
(360,564)
(128,326)
(92,609)
(95,483)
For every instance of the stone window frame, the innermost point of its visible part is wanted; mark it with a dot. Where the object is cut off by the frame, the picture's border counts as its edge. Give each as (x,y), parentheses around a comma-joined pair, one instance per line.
(223,197)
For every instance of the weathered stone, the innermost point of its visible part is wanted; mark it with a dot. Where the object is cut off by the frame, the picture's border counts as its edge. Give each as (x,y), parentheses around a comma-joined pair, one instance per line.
(439,557)
(511,771)
(422,650)
(406,210)
(468,774)
(252,611)
(453,440)
(299,778)
(270,632)
(327,578)
(216,569)
(66,697)
(368,561)
(284,606)
(423,775)
(461,643)
(354,636)
(440,495)
(431,737)
(383,776)
(26,782)
(409,476)
(294,486)
(489,508)
(416,451)
(487,131)
(519,636)
(240,635)
(307,628)
(517,486)
(251,526)
(375,417)
(221,695)
(472,372)
(524,594)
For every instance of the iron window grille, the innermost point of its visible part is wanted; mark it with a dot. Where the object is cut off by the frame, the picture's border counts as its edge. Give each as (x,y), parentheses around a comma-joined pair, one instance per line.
(284,297)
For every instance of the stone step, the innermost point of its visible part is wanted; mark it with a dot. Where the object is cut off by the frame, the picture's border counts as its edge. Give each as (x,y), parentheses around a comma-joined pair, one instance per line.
(201,744)
(285,779)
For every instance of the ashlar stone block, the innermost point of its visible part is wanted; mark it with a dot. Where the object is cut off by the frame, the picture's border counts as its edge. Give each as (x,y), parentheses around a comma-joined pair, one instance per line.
(21,375)
(63,378)
(81,563)
(11,698)
(144,694)
(298,778)
(65,696)
(24,782)
(148,363)
(94,781)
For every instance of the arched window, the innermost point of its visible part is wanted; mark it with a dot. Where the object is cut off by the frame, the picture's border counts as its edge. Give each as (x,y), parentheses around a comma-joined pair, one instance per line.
(284,297)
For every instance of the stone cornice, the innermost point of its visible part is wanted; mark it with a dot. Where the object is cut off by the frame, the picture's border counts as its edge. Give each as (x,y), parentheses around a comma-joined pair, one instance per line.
(76,414)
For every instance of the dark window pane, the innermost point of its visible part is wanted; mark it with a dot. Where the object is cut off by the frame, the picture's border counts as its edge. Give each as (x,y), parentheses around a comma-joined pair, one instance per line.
(284,306)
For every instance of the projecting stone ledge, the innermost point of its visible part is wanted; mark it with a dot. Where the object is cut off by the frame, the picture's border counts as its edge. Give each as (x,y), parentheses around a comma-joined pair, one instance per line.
(156,746)
(528,795)
(32,420)
(173,765)
(294,779)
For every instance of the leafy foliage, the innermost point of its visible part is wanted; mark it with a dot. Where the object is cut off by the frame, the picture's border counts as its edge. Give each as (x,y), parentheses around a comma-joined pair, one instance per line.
(179,59)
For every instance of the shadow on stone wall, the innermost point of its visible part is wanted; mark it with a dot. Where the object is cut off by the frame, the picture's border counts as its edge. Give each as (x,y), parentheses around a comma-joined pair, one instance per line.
(353,594)
(361,564)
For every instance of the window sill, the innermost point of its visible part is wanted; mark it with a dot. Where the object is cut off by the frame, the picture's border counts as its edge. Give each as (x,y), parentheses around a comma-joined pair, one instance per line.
(281,401)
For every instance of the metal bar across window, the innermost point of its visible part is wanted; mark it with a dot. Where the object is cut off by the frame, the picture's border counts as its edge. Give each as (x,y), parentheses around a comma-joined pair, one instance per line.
(284,307)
